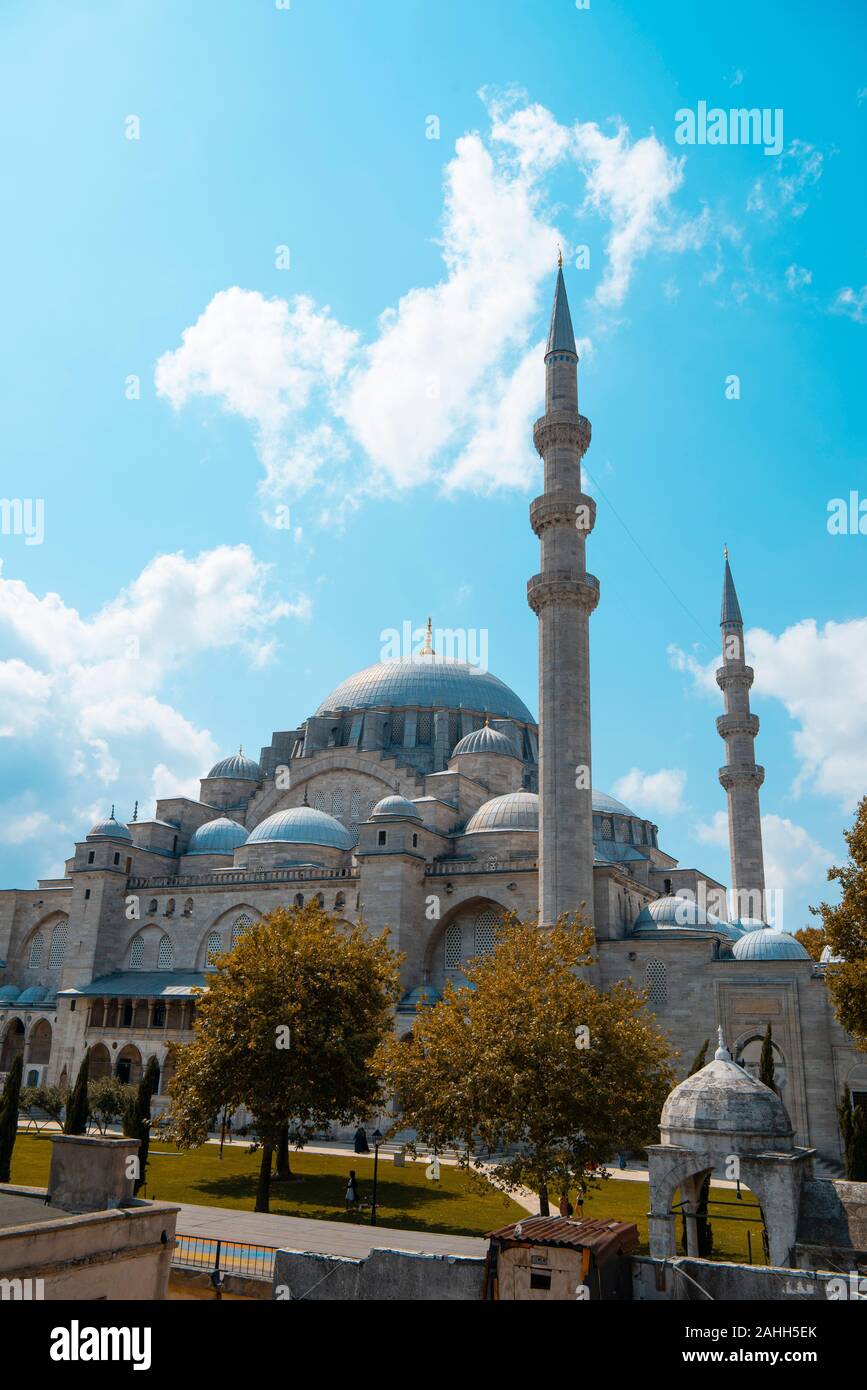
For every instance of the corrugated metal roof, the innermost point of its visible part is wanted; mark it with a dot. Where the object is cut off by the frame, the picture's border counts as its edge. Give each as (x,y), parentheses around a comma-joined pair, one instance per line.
(594,1235)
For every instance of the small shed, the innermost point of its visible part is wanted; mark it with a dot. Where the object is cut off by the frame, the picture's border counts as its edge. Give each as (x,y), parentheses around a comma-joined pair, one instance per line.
(548,1257)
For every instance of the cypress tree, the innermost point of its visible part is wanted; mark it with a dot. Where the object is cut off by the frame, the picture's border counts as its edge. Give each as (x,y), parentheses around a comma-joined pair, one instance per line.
(77,1107)
(137,1116)
(856,1149)
(9,1116)
(700,1058)
(766,1065)
(844,1119)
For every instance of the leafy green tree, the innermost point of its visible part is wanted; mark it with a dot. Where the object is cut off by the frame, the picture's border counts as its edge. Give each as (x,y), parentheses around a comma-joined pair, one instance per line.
(856,1148)
(137,1115)
(108,1099)
(28,1103)
(846,931)
(9,1116)
(78,1109)
(532,1059)
(289,1026)
(766,1062)
(53,1099)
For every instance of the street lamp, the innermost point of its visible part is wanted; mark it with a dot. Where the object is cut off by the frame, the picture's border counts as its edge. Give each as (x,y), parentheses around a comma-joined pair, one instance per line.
(376,1136)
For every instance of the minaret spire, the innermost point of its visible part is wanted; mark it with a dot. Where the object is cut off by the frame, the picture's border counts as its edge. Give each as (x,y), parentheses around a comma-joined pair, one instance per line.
(563,595)
(742,776)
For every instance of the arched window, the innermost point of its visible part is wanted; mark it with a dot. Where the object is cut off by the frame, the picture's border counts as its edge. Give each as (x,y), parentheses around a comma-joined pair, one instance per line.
(136,953)
(214,947)
(397,730)
(166,954)
(454,946)
(337,803)
(321,801)
(241,924)
(159,1015)
(355,805)
(424,729)
(170,907)
(657,988)
(152,907)
(36,948)
(319,900)
(188,907)
(57,948)
(486,932)
(299,899)
(339,902)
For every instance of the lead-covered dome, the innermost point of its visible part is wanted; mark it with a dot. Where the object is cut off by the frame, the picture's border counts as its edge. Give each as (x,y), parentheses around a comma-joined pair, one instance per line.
(514,811)
(110,829)
(395,807)
(769,944)
(220,836)
(429,682)
(238,767)
(485,740)
(723,1099)
(674,913)
(302,825)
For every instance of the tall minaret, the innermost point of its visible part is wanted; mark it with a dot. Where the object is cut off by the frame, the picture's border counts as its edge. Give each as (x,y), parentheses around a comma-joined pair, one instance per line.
(563,596)
(741,775)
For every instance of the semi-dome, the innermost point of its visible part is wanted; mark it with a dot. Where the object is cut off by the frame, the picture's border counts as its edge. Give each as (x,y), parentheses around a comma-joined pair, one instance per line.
(673,913)
(302,825)
(429,682)
(514,811)
(769,944)
(395,807)
(422,997)
(8,993)
(485,740)
(723,1099)
(111,829)
(220,836)
(238,767)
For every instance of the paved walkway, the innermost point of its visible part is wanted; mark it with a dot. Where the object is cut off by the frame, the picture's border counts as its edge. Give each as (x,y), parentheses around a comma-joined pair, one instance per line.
(324,1237)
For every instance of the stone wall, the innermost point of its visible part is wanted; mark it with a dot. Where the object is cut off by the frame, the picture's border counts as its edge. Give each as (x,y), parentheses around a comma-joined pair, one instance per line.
(387,1275)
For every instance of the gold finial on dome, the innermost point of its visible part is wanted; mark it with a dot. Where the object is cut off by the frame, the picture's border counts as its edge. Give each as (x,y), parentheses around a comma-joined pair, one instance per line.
(726,551)
(427,649)
(559,258)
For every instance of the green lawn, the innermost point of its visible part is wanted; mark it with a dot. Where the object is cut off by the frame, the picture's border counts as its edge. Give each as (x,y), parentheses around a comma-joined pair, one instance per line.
(405,1198)
(629,1201)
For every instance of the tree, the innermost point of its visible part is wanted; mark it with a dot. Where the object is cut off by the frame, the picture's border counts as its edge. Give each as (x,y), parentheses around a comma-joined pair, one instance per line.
(700,1058)
(530,1057)
(766,1062)
(28,1102)
(813,940)
(78,1109)
(52,1099)
(9,1116)
(288,1028)
(844,1118)
(108,1099)
(137,1115)
(846,931)
(856,1149)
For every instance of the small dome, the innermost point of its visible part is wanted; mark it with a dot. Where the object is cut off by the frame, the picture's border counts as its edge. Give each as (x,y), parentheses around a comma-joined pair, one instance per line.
(37,994)
(514,811)
(395,807)
(723,1099)
(302,825)
(220,836)
(238,767)
(673,913)
(422,997)
(110,829)
(8,993)
(768,944)
(485,740)
(607,806)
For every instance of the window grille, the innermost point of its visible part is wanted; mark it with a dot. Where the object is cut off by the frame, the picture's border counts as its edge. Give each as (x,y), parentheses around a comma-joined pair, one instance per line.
(136,953)
(166,954)
(57,949)
(36,946)
(486,932)
(397,729)
(241,924)
(424,728)
(454,946)
(607,828)
(355,805)
(656,983)
(215,946)
(337,803)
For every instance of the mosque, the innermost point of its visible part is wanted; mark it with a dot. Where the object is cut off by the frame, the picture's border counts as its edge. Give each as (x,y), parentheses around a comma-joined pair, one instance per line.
(423,797)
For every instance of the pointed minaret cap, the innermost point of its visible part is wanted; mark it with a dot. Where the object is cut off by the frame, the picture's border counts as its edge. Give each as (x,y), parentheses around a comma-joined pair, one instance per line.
(722,1053)
(560,335)
(731,609)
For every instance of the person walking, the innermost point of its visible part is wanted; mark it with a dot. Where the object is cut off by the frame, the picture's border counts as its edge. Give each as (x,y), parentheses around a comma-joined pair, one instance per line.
(361,1144)
(352,1191)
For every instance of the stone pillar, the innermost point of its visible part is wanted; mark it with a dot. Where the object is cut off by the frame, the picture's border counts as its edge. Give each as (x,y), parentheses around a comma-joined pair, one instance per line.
(90,1174)
(742,776)
(563,595)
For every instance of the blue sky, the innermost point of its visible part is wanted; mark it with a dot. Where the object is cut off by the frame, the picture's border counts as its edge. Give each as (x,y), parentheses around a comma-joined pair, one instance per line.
(382,387)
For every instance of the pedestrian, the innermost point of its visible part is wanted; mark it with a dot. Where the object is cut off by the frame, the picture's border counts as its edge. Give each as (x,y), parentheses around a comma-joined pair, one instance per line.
(361,1144)
(352,1191)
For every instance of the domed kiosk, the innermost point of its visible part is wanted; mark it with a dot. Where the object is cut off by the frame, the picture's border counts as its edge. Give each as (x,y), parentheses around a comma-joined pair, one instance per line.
(722,1120)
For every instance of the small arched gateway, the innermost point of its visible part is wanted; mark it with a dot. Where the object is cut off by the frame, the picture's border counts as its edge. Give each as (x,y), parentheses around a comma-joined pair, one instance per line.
(13,1044)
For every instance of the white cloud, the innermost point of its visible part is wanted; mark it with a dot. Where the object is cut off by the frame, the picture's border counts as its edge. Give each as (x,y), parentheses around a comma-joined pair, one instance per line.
(655,793)
(18,829)
(796,172)
(852,303)
(794,862)
(91,689)
(830,741)
(712,832)
(797,277)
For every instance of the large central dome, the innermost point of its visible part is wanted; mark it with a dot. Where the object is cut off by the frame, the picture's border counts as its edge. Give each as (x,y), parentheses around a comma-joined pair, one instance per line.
(429,682)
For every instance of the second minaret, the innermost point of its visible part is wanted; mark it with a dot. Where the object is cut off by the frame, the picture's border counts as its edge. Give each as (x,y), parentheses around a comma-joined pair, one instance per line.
(563,595)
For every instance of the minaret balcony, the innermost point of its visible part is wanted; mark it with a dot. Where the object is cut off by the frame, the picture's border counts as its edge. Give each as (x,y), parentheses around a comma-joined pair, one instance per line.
(562,429)
(742,775)
(735,676)
(563,587)
(572,509)
(728,725)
